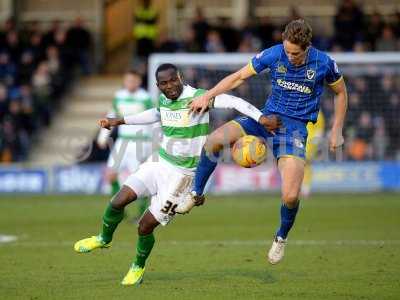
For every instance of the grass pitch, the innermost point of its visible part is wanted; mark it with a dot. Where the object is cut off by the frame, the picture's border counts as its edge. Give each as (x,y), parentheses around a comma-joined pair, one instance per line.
(341,247)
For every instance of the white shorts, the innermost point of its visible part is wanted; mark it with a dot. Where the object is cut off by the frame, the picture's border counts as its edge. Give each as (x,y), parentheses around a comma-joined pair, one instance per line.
(166,185)
(127,155)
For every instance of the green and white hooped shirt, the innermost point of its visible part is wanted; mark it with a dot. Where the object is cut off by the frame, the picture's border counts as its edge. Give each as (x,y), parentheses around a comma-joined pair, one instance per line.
(126,103)
(183,135)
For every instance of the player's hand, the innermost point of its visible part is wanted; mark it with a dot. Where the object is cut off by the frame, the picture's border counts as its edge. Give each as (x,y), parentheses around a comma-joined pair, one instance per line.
(336,140)
(199,200)
(270,122)
(199,104)
(110,122)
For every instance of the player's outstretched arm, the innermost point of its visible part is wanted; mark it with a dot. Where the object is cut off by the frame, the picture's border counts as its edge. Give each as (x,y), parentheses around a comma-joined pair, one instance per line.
(147,117)
(336,138)
(271,123)
(200,104)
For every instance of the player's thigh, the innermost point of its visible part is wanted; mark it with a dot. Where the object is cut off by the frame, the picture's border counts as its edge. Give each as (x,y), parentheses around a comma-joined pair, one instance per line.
(291,169)
(144,180)
(224,135)
(124,196)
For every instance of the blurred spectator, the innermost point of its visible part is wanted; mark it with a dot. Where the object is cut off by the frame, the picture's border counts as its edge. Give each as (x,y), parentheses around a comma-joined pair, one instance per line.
(78,38)
(8,71)
(145,28)
(264,31)
(214,43)
(348,24)
(49,38)
(36,46)
(190,43)
(42,92)
(26,68)
(3,102)
(13,46)
(387,41)
(373,29)
(201,28)
(9,25)
(166,44)
(228,35)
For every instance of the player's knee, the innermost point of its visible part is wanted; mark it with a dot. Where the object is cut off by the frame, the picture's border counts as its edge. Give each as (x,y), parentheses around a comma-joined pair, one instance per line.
(212,145)
(112,176)
(144,227)
(290,199)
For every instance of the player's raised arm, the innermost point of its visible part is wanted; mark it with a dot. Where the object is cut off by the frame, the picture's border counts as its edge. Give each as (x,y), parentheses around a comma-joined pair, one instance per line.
(336,138)
(270,123)
(147,117)
(200,104)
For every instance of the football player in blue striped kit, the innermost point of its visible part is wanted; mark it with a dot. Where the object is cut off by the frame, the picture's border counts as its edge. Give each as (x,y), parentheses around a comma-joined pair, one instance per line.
(298,72)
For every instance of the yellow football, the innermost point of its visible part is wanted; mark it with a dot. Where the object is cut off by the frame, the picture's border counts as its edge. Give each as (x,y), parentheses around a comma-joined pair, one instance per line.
(249,151)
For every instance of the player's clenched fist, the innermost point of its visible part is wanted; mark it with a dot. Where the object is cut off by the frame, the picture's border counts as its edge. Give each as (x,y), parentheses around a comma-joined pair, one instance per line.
(110,122)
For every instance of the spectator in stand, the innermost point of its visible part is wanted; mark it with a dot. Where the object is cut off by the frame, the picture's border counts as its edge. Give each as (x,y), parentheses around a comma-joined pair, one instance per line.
(373,29)
(380,140)
(387,41)
(78,38)
(8,71)
(228,34)
(392,113)
(165,44)
(36,46)
(145,28)
(201,28)
(13,46)
(264,31)
(9,25)
(49,38)
(214,43)
(348,25)
(190,43)
(26,67)
(42,92)
(3,102)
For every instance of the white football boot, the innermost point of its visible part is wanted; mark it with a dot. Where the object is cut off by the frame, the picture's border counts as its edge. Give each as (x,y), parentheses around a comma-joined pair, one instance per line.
(191,199)
(277,250)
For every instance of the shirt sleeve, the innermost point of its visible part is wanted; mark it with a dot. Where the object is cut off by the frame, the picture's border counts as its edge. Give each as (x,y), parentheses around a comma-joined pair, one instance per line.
(242,106)
(147,117)
(333,74)
(263,60)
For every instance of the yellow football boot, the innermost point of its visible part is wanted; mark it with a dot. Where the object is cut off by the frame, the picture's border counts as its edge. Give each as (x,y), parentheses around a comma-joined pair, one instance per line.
(89,244)
(134,276)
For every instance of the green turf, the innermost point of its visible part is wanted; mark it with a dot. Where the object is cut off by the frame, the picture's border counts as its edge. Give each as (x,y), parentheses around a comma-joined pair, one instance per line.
(335,251)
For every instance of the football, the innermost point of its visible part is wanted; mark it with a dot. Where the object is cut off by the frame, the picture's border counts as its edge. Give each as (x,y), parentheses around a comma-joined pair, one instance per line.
(249,151)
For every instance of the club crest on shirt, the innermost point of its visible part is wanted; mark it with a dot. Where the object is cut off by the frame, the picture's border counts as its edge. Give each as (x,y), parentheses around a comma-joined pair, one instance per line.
(310,74)
(281,69)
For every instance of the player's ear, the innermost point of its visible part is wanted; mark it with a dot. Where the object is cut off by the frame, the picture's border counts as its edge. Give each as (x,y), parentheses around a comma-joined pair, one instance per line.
(180,76)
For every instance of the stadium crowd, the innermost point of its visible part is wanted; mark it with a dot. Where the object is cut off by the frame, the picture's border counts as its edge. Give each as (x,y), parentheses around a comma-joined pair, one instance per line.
(36,68)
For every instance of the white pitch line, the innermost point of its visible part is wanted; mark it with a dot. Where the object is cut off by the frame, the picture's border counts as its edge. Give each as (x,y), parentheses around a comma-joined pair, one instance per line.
(214,243)
(7,238)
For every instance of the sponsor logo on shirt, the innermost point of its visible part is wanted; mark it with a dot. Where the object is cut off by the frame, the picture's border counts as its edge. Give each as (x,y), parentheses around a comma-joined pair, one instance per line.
(293,86)
(310,74)
(281,69)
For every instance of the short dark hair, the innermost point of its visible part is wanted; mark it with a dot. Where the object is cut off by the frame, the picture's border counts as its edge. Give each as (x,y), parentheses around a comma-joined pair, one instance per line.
(165,67)
(298,32)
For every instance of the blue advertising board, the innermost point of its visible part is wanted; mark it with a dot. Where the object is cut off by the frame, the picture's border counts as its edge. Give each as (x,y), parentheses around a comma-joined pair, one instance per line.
(13,180)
